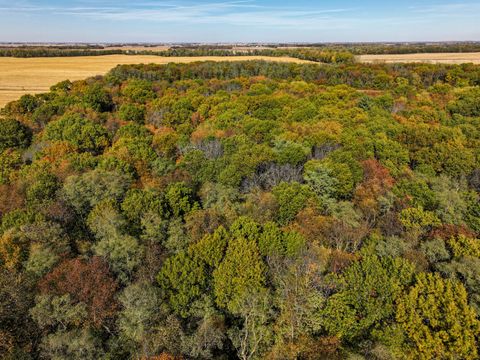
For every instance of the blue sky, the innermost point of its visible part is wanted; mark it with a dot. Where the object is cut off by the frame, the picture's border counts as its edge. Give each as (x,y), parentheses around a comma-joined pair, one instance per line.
(238,20)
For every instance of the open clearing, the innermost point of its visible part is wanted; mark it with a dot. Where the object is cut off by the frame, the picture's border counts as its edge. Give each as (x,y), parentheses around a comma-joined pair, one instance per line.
(19,76)
(438,58)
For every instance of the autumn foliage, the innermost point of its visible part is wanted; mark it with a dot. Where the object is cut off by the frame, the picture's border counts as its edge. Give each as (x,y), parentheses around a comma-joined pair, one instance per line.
(86,281)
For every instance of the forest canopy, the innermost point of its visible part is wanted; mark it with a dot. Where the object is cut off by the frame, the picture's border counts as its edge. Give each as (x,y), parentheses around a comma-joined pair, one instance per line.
(250,210)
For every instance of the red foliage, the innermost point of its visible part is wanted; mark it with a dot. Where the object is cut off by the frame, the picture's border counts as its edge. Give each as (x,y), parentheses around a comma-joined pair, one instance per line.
(327,347)
(11,198)
(417,258)
(377,182)
(164,356)
(329,231)
(375,174)
(339,260)
(59,212)
(197,119)
(7,344)
(178,175)
(201,222)
(447,231)
(310,224)
(390,224)
(87,281)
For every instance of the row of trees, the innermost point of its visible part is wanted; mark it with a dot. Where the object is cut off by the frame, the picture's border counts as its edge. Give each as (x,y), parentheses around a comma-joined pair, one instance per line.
(46,51)
(243,210)
(326,53)
(317,55)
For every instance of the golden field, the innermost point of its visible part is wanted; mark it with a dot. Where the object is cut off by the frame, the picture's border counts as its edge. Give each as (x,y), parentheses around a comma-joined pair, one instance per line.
(19,76)
(438,58)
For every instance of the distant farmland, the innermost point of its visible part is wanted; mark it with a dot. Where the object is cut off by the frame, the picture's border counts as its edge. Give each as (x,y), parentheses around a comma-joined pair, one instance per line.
(19,76)
(434,58)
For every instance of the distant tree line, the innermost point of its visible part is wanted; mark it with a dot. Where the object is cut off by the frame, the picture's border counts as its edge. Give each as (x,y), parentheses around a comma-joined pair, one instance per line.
(364,49)
(24,52)
(325,53)
(304,54)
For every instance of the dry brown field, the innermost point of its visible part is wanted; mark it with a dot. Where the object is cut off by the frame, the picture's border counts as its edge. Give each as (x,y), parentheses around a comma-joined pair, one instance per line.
(19,76)
(439,58)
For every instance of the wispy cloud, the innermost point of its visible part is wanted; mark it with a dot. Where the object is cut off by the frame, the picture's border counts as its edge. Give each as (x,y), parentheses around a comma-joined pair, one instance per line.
(241,13)
(251,20)
(448,9)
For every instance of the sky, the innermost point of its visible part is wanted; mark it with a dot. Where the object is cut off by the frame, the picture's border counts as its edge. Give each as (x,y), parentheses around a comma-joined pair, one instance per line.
(238,20)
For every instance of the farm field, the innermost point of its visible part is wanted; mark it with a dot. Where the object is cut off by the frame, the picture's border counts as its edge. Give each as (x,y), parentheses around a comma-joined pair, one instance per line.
(19,76)
(436,58)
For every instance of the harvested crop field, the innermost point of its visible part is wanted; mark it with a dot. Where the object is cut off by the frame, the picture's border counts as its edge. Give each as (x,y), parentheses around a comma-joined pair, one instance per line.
(434,58)
(19,76)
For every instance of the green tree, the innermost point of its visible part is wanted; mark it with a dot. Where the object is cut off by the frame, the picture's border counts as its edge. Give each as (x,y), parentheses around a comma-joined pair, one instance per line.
(84,191)
(180,199)
(28,103)
(291,198)
(82,133)
(182,279)
(10,160)
(450,200)
(467,270)
(391,154)
(472,216)
(140,91)
(43,188)
(418,219)
(320,179)
(132,112)
(417,191)
(241,272)
(467,104)
(287,152)
(58,312)
(73,344)
(140,313)
(274,242)
(366,296)
(138,202)
(329,178)
(14,134)
(123,252)
(98,98)
(134,132)
(462,245)
(211,249)
(48,244)
(105,221)
(437,319)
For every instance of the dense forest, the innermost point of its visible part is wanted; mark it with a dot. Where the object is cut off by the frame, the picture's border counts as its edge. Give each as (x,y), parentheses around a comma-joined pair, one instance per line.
(245,210)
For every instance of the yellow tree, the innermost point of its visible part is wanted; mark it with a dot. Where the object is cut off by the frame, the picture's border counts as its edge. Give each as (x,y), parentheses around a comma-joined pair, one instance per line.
(437,320)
